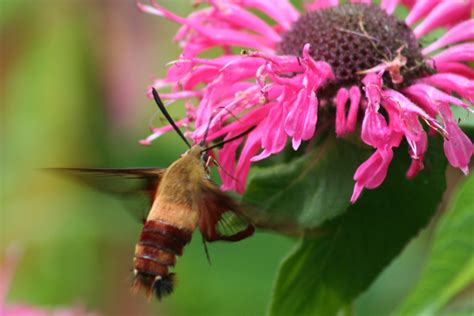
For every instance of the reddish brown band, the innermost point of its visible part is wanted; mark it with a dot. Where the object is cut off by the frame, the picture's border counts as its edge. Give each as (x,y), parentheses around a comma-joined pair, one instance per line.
(159,241)
(181,235)
(154,254)
(150,267)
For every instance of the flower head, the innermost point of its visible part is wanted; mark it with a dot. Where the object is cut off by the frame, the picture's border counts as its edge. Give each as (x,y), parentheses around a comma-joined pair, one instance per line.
(355,65)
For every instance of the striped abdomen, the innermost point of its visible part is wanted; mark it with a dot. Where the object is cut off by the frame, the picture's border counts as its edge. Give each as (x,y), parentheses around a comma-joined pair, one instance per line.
(155,252)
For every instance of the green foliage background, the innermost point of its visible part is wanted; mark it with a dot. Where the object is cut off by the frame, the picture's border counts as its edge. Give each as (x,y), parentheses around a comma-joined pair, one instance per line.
(72,79)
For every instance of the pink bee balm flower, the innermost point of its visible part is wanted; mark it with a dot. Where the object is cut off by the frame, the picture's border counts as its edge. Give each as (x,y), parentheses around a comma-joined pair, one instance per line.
(354,65)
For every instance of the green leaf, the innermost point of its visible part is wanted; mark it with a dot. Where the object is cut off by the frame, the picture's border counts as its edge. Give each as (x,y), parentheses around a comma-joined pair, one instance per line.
(450,265)
(464,117)
(326,272)
(308,190)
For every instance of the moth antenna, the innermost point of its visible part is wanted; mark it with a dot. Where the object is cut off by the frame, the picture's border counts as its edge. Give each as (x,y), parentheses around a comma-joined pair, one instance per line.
(206,250)
(230,112)
(161,106)
(203,142)
(207,130)
(230,139)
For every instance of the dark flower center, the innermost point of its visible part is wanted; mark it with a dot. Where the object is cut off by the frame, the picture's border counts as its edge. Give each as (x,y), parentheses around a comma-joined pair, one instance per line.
(353,38)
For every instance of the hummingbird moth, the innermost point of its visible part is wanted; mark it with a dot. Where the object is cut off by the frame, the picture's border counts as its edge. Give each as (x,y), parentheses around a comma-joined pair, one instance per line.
(182,198)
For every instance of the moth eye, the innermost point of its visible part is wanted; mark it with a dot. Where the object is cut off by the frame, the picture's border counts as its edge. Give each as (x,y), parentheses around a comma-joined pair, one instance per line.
(204,156)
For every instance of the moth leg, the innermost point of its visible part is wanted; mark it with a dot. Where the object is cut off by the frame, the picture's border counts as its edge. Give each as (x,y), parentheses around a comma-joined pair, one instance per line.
(211,162)
(206,250)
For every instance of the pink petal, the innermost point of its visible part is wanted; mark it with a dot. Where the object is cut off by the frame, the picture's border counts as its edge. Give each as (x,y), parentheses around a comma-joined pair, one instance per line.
(375,131)
(274,136)
(458,148)
(444,13)
(179,69)
(221,36)
(456,68)
(404,105)
(249,150)
(273,10)
(458,53)
(341,100)
(409,3)
(462,32)
(404,118)
(419,10)
(320,4)
(429,97)
(241,68)
(202,74)
(389,5)
(373,89)
(280,64)
(372,172)
(287,8)
(227,158)
(415,167)
(235,14)
(301,121)
(252,118)
(158,131)
(181,95)
(451,82)
(309,126)
(354,94)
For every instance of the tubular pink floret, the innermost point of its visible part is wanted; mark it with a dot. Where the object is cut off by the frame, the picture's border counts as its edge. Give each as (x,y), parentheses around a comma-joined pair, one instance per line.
(249,150)
(300,123)
(354,95)
(428,97)
(224,34)
(361,1)
(389,5)
(419,10)
(456,68)
(274,136)
(458,53)
(462,32)
(458,148)
(372,172)
(235,14)
(403,105)
(158,131)
(451,82)
(445,13)
(375,130)
(282,17)
(415,167)
(404,119)
(227,158)
(320,4)
(341,100)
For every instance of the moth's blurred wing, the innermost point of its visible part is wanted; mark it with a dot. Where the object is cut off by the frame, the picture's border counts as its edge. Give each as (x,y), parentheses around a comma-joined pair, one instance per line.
(221,217)
(135,186)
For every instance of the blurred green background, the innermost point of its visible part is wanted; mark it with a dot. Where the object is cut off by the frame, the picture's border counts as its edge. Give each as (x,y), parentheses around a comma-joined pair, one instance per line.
(73,76)
(73,80)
